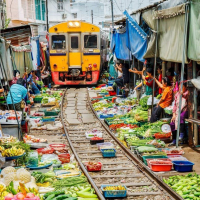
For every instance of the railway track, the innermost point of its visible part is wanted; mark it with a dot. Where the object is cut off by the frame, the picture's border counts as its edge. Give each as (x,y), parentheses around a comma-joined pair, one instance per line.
(78,117)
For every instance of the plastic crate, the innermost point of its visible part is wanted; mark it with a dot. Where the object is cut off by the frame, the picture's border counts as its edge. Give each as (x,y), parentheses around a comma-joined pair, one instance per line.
(103,116)
(48,119)
(105,145)
(95,168)
(45,151)
(177,158)
(114,193)
(162,135)
(183,166)
(160,167)
(112,93)
(91,134)
(37,99)
(96,98)
(51,113)
(93,142)
(108,154)
(64,158)
(108,98)
(144,158)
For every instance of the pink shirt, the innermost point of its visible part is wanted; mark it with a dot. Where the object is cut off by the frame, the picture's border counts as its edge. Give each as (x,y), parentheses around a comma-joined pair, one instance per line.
(176,103)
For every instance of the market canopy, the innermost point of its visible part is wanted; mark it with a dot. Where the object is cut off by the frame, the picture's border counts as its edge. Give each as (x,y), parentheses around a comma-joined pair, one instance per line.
(171,30)
(194,31)
(119,47)
(136,38)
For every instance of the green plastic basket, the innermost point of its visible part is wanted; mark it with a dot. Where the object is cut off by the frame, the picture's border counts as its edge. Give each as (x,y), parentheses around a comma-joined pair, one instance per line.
(108,98)
(37,99)
(51,113)
(152,157)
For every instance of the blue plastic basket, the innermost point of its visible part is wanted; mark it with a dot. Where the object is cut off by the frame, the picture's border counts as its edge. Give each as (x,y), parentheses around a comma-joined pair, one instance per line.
(108,154)
(183,166)
(104,116)
(49,119)
(114,193)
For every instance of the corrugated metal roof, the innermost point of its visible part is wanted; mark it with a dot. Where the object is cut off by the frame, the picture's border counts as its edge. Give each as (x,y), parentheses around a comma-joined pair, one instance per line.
(17,35)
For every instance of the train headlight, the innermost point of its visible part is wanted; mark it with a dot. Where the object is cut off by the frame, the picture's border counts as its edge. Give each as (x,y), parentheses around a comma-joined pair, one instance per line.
(95,65)
(77,24)
(71,24)
(74,24)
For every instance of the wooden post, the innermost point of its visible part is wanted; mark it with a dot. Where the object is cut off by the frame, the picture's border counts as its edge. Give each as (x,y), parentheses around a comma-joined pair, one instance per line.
(163,68)
(190,105)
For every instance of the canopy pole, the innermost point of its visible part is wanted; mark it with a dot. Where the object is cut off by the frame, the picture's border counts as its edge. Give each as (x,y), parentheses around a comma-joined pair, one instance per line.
(182,71)
(154,71)
(195,104)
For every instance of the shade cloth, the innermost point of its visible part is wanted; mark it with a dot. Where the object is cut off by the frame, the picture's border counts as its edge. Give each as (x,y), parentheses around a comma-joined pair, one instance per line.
(194,31)
(171,33)
(136,38)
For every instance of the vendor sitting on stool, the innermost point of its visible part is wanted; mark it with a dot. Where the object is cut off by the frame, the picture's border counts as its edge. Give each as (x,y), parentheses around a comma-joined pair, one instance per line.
(165,101)
(184,114)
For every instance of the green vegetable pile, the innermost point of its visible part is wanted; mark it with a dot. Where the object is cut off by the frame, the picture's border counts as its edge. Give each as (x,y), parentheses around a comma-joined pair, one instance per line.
(43,177)
(139,115)
(68,182)
(144,149)
(143,102)
(187,186)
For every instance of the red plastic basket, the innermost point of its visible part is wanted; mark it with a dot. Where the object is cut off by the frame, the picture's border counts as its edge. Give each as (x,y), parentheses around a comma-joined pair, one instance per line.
(96,168)
(64,158)
(162,135)
(57,147)
(112,93)
(45,151)
(160,167)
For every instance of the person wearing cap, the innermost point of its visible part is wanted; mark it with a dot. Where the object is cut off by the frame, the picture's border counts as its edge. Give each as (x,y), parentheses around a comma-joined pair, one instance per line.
(165,101)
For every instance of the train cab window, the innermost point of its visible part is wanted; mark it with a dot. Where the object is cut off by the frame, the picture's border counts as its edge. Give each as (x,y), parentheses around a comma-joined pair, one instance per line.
(74,42)
(58,42)
(90,41)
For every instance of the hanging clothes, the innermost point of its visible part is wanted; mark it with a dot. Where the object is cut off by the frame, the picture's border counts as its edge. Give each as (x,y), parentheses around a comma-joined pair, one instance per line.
(35,50)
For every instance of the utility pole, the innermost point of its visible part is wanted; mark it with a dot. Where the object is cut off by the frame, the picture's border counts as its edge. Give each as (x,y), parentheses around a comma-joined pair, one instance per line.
(47,16)
(92,15)
(111,1)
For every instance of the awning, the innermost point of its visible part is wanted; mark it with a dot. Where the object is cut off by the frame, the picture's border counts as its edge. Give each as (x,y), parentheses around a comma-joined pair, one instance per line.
(136,38)
(171,32)
(194,31)
(121,50)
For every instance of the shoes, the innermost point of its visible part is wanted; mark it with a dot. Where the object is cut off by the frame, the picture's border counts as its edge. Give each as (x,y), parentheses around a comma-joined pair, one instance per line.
(171,144)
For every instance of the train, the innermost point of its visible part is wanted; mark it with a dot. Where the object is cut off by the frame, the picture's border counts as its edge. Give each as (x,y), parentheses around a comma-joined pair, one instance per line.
(77,52)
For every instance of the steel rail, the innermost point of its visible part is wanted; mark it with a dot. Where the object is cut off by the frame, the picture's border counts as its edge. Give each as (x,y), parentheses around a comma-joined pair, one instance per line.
(99,194)
(139,163)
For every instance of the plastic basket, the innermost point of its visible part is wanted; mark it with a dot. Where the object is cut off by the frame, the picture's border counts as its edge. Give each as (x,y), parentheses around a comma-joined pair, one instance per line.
(96,98)
(93,142)
(45,151)
(37,99)
(49,119)
(183,166)
(105,145)
(91,134)
(103,116)
(144,158)
(51,113)
(108,98)
(160,167)
(108,154)
(177,158)
(95,168)
(112,93)
(162,135)
(64,158)
(113,193)
(57,147)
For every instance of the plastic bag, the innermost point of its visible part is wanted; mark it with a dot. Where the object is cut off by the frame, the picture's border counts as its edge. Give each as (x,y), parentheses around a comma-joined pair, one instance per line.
(155,101)
(196,82)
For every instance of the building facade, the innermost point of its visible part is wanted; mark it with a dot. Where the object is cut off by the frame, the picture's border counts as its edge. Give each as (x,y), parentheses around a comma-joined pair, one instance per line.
(24,12)
(59,11)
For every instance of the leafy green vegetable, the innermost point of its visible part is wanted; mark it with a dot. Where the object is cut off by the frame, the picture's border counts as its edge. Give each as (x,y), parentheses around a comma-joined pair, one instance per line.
(143,102)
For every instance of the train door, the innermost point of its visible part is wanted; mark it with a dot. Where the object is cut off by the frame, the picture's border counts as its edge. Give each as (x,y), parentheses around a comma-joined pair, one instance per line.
(74,50)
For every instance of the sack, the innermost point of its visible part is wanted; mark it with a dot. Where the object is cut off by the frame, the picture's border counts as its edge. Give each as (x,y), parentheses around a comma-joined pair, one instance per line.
(23,104)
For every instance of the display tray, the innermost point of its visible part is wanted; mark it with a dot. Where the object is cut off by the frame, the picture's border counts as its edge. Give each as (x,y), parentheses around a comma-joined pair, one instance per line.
(38,145)
(14,157)
(42,167)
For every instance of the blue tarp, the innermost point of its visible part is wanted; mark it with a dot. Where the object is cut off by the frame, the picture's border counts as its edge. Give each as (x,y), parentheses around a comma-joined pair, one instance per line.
(136,38)
(121,50)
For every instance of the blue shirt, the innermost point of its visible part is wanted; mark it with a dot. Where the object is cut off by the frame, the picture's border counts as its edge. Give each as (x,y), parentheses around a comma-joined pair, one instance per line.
(18,93)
